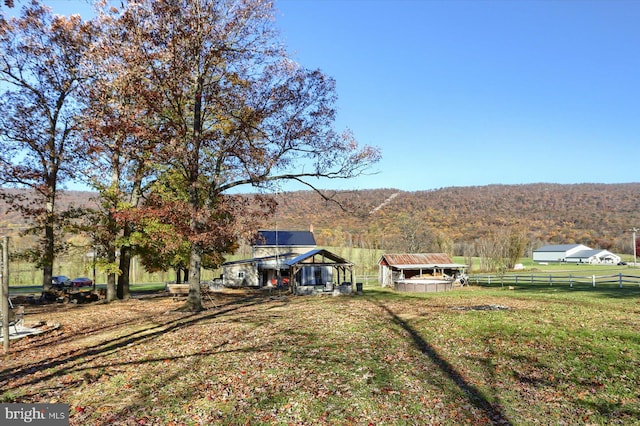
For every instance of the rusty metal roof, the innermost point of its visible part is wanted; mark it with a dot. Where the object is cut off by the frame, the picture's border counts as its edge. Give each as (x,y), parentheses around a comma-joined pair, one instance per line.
(417,260)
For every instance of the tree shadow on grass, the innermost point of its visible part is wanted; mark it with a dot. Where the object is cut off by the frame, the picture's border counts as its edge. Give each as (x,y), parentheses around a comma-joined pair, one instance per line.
(493,411)
(69,362)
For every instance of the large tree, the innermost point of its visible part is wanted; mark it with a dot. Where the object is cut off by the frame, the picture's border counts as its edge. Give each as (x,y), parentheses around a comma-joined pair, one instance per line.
(233,109)
(121,139)
(40,76)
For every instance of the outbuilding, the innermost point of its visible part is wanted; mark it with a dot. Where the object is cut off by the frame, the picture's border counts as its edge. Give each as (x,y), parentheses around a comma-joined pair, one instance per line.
(420,272)
(596,256)
(574,253)
(557,253)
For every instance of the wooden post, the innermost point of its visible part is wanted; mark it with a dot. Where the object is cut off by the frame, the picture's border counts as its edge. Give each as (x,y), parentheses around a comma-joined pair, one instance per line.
(620,279)
(570,280)
(4,294)
(550,280)
(593,280)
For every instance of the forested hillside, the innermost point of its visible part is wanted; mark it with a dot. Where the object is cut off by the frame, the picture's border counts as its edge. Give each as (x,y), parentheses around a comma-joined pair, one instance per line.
(454,219)
(597,215)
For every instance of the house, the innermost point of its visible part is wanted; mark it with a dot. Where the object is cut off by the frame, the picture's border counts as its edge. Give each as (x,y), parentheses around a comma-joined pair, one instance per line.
(290,258)
(574,253)
(422,272)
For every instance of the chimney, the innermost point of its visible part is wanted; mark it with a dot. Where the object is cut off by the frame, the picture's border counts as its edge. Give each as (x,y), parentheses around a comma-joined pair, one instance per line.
(311,228)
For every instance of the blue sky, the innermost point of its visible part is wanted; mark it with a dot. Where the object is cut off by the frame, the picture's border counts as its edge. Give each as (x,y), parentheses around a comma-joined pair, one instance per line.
(463,92)
(460,93)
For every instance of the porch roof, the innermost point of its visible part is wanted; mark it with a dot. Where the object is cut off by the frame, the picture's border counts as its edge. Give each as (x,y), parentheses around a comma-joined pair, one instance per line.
(272,261)
(319,257)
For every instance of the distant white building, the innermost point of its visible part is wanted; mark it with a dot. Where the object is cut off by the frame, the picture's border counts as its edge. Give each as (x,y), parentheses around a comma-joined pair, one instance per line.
(574,253)
(594,256)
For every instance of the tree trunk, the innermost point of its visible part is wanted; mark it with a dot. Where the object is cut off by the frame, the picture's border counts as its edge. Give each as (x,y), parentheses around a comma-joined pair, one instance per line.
(194,300)
(47,261)
(49,243)
(111,277)
(125,268)
(111,287)
(126,249)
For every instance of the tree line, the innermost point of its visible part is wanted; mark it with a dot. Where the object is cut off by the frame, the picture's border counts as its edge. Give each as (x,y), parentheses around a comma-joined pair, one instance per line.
(473,221)
(163,108)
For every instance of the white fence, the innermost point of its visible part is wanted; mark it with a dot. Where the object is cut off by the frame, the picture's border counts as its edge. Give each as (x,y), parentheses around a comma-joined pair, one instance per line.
(618,280)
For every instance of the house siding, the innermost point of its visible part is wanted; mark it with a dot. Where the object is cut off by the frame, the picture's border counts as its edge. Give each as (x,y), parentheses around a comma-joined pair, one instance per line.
(240,275)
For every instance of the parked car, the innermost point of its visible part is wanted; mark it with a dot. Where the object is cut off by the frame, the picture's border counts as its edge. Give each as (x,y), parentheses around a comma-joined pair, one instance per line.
(81,282)
(60,281)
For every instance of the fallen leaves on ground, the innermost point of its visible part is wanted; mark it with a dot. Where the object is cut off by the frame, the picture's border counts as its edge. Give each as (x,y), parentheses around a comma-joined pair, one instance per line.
(256,359)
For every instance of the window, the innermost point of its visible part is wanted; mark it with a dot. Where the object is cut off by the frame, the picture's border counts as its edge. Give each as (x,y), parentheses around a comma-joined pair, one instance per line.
(240,274)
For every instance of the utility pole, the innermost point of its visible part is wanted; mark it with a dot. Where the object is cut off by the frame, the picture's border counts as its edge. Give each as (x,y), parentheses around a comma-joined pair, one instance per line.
(4,293)
(634,230)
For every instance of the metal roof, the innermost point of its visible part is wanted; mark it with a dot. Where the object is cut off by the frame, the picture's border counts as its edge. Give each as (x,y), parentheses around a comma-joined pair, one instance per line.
(284,238)
(588,253)
(559,247)
(418,260)
(278,259)
(289,259)
(334,258)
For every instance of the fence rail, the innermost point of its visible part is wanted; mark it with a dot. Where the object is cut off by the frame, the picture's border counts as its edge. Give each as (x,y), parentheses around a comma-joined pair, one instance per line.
(619,280)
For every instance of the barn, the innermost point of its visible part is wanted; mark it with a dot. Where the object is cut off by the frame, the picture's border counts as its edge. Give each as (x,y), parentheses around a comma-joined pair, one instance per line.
(557,253)
(574,253)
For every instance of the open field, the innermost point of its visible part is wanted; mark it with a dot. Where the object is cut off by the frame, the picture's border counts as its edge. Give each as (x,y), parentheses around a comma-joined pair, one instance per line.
(474,355)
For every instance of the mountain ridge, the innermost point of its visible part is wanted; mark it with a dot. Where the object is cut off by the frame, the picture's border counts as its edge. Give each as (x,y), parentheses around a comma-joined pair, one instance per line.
(595,214)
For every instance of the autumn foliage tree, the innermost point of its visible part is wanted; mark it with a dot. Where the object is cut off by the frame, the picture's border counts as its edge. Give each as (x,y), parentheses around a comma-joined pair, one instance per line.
(120,141)
(163,227)
(39,86)
(232,110)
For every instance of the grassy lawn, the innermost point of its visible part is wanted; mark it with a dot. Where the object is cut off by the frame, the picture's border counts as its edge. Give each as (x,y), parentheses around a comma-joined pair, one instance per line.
(474,355)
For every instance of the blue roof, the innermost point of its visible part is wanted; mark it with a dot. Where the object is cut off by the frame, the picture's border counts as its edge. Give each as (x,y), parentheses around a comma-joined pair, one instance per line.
(284,238)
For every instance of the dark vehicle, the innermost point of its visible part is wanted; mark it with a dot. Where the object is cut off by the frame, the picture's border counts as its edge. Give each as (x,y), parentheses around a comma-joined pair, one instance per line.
(622,263)
(81,282)
(60,281)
